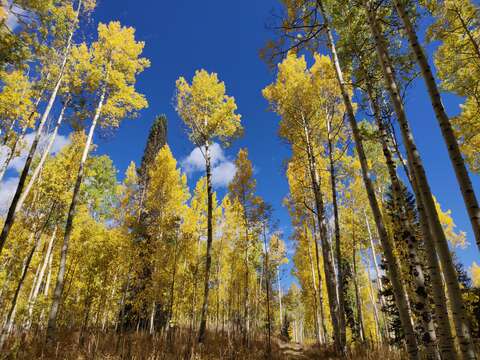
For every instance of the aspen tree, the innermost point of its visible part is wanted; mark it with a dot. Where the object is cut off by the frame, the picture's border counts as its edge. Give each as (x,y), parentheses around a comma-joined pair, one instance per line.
(63,41)
(113,64)
(457,64)
(294,96)
(458,163)
(310,20)
(419,176)
(242,189)
(209,114)
(16,109)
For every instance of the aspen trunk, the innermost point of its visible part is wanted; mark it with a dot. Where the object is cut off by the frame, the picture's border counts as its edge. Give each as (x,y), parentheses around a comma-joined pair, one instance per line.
(35,278)
(10,218)
(267,286)
(172,283)
(44,157)
(456,158)
(338,250)
(57,296)
(105,311)
(419,176)
(355,283)
(7,325)
(208,259)
(46,289)
(122,306)
(246,308)
(374,254)
(38,283)
(280,298)
(320,288)
(446,343)
(36,237)
(151,328)
(378,326)
(392,264)
(326,249)
(414,263)
(315,298)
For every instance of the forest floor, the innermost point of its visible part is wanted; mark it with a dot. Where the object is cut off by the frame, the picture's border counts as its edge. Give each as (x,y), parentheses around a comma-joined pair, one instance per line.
(137,346)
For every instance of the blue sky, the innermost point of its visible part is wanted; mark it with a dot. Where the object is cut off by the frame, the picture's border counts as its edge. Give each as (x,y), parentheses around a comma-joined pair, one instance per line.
(224,37)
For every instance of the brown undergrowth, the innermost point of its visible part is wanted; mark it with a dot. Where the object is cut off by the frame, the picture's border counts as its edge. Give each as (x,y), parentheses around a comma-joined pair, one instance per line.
(181,345)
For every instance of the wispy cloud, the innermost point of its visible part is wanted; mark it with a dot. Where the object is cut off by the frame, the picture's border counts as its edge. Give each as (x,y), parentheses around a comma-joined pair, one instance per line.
(223,168)
(7,189)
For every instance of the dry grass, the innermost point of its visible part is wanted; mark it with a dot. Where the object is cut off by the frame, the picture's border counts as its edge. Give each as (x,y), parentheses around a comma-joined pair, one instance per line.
(180,345)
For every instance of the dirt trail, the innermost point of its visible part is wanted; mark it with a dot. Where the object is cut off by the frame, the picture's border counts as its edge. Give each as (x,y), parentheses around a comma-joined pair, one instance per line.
(292,351)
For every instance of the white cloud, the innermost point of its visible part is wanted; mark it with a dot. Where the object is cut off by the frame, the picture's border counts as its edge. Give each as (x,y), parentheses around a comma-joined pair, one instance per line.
(193,162)
(223,173)
(7,190)
(223,169)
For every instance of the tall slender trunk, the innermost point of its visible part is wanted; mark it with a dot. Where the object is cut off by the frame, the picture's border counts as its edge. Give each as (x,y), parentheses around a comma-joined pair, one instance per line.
(7,325)
(46,288)
(246,289)
(320,288)
(35,279)
(446,342)
(267,288)
(57,296)
(195,288)
(172,283)
(358,301)
(107,301)
(38,284)
(86,310)
(315,295)
(280,305)
(326,249)
(122,306)
(151,328)
(419,176)
(408,235)
(456,158)
(208,258)
(392,264)
(37,236)
(378,326)
(217,302)
(374,255)
(44,157)
(338,250)
(10,218)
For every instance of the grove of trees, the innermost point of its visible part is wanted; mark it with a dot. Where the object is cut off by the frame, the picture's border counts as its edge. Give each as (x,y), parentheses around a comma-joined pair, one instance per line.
(147,267)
